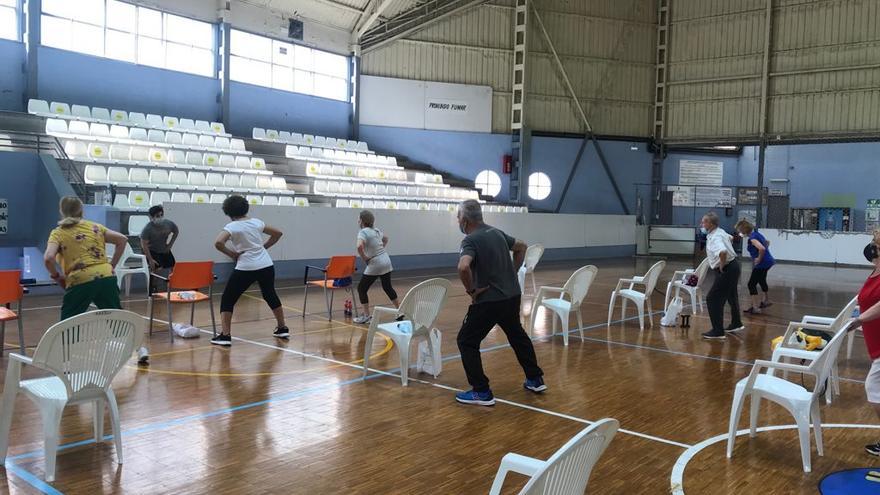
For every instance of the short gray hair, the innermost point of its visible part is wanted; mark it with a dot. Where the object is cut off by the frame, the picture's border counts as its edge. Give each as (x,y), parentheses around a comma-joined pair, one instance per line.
(712,217)
(471,210)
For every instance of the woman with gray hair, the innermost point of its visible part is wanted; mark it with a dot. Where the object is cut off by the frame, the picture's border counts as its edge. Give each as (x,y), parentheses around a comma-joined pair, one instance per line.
(722,259)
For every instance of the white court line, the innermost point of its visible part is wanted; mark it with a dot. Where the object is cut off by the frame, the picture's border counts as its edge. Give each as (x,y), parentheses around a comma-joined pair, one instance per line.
(676,480)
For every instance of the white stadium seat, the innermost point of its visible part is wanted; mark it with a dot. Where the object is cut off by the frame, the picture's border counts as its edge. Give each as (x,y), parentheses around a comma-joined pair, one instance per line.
(138,199)
(191,139)
(171,122)
(194,158)
(99,130)
(358,188)
(136,223)
(158,155)
(76,149)
(254,200)
(99,113)
(214,180)
(78,127)
(279,183)
(158,176)
(211,159)
(264,182)
(333,187)
(156,136)
(316,152)
(231,180)
(285,201)
(59,108)
(187,124)
(296,138)
(176,156)
(217,128)
(196,179)
(120,116)
(203,126)
(336,170)
(221,142)
(237,144)
(200,198)
(320,186)
(155,121)
(227,161)
(120,201)
(259,133)
(258,163)
(95,173)
(270,200)
(137,134)
(119,131)
(301,201)
(308,139)
(139,176)
(179,197)
(137,118)
(326,169)
(285,137)
(98,151)
(117,175)
(81,112)
(39,107)
(218,198)
(272,134)
(345,188)
(249,181)
(57,126)
(159,197)
(206,141)
(342,203)
(242,162)
(178,177)
(172,137)
(312,168)
(139,154)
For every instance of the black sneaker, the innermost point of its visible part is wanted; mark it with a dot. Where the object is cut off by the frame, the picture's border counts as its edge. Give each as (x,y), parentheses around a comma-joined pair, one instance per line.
(873,449)
(281,333)
(714,335)
(735,328)
(536,385)
(766,304)
(221,339)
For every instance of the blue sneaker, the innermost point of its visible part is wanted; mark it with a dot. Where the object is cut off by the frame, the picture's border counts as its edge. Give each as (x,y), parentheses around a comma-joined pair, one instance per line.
(476,398)
(536,385)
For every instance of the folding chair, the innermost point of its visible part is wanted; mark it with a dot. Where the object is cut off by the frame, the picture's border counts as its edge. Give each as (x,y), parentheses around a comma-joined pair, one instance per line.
(339,267)
(183,287)
(11,291)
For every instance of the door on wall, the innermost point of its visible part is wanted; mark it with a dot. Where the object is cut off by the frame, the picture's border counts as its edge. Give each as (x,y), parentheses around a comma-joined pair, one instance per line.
(665,208)
(777,212)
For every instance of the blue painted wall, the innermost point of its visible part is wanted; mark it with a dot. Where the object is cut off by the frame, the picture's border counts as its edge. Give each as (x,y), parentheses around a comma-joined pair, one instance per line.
(95,81)
(12,77)
(255,106)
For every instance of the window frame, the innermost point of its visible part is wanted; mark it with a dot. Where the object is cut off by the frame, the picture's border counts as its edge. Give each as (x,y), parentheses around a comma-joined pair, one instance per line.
(137,36)
(539,187)
(294,68)
(489,183)
(16,9)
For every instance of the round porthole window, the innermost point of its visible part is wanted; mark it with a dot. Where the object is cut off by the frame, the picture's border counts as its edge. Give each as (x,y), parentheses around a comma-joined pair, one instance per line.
(539,186)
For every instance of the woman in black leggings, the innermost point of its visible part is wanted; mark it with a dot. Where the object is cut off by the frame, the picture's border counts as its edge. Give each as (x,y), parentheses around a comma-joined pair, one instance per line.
(762,262)
(371,248)
(252,264)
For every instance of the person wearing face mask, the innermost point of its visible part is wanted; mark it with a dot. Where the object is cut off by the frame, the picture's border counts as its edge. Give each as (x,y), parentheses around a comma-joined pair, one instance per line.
(762,262)
(722,259)
(371,245)
(489,277)
(157,239)
(869,320)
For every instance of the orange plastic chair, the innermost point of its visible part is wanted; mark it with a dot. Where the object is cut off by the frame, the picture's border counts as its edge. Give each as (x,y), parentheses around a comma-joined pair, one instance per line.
(183,287)
(11,291)
(340,267)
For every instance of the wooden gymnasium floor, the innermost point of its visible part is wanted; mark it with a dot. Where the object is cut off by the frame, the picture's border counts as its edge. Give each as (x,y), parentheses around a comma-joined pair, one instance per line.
(268,416)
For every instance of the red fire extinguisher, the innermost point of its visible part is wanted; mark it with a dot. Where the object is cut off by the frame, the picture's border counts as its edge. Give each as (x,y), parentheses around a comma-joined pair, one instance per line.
(507,164)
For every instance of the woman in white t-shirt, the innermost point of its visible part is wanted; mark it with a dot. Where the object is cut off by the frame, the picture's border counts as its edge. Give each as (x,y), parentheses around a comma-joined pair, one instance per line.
(371,248)
(252,264)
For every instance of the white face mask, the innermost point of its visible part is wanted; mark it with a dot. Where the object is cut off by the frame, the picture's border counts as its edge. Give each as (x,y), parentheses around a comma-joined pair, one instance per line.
(704,230)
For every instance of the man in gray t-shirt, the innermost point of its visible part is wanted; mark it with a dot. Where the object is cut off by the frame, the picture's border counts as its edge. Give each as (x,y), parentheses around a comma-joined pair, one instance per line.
(489,277)
(157,238)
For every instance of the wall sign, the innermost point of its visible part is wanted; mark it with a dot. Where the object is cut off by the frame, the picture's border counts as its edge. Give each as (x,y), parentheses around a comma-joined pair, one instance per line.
(749,196)
(872,215)
(701,197)
(4,216)
(700,173)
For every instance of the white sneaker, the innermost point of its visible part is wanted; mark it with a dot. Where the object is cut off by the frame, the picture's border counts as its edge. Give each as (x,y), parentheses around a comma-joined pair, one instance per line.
(363,319)
(143,356)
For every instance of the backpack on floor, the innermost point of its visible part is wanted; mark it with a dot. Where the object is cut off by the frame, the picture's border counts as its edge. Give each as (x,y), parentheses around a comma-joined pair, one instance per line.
(428,362)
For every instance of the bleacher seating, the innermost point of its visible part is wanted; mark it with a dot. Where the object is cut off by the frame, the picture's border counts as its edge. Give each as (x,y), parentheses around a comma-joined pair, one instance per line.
(307,140)
(102,115)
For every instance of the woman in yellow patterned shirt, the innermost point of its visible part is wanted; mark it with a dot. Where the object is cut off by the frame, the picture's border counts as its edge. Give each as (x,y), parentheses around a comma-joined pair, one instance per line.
(78,245)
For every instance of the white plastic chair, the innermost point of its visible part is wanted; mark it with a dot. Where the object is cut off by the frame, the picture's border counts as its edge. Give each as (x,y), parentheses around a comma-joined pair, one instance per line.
(99,113)
(784,351)
(803,404)
(81,112)
(124,270)
(39,107)
(694,291)
(649,281)
(568,470)
(571,296)
(533,256)
(82,354)
(420,306)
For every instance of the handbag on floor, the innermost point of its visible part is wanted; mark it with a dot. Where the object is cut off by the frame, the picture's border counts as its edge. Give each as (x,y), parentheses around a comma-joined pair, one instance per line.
(670,317)
(428,362)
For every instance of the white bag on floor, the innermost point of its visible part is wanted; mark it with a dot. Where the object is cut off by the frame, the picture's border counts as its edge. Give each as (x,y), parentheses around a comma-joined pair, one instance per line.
(670,317)
(185,331)
(521,276)
(426,362)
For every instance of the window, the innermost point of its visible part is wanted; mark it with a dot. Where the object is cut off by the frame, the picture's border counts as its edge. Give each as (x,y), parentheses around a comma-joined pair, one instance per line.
(275,64)
(539,186)
(489,182)
(9,19)
(122,31)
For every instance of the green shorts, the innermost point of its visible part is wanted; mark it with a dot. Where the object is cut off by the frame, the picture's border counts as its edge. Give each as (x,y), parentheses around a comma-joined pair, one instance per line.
(104,292)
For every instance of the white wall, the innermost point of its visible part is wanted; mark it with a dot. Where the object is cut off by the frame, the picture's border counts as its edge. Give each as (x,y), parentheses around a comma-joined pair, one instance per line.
(316,233)
(810,247)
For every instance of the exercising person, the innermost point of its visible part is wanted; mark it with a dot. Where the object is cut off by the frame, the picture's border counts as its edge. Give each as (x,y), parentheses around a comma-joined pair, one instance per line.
(762,262)
(371,244)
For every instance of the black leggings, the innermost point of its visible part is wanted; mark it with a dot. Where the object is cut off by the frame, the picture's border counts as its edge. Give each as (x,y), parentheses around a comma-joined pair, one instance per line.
(367,281)
(758,277)
(241,280)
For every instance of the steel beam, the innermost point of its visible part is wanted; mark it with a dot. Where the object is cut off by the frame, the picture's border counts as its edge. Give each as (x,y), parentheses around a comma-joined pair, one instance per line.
(413,20)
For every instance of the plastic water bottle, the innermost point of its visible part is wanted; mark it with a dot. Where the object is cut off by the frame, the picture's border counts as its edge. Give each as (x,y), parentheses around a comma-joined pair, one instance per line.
(405,326)
(348,307)
(856,312)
